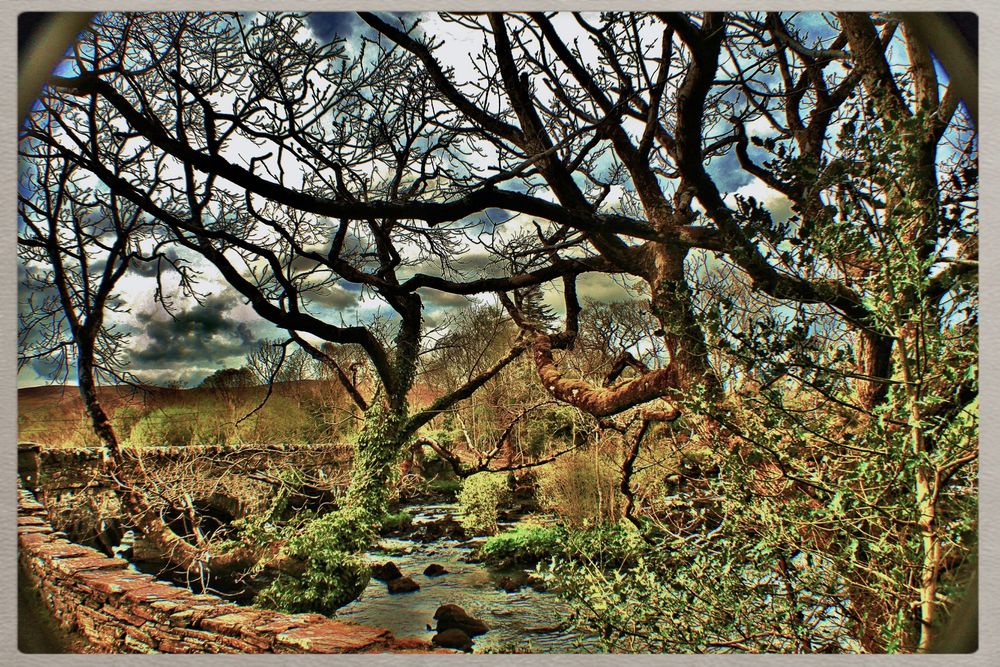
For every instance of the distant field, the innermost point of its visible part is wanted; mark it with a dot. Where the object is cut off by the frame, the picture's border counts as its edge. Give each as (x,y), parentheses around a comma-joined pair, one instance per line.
(299,411)
(54,415)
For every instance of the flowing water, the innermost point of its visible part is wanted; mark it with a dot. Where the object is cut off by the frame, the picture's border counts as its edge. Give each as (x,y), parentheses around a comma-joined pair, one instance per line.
(526,620)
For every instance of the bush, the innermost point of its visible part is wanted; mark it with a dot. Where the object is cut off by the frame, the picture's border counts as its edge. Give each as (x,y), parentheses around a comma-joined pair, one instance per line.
(582,488)
(398,521)
(336,571)
(282,419)
(165,427)
(557,424)
(604,545)
(125,419)
(446,486)
(480,498)
(526,544)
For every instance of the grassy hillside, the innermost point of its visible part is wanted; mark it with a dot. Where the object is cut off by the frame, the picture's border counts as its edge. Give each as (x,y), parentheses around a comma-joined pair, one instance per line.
(300,411)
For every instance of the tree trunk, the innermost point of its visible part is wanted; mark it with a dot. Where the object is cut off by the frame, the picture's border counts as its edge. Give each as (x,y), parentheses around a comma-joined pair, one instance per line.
(925,497)
(376,456)
(874,362)
(147,519)
(670,303)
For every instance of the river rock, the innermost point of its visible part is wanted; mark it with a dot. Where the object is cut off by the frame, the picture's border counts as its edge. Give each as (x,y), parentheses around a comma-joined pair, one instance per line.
(386,572)
(510,584)
(538,583)
(453,638)
(403,585)
(447,527)
(452,616)
(448,609)
(435,570)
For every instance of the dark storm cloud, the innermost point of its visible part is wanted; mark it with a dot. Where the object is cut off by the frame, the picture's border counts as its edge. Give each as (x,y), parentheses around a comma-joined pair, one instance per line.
(204,335)
(326,25)
(150,269)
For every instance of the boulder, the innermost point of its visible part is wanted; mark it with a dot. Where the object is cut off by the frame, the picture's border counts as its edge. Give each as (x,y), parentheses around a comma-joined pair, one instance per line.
(510,584)
(538,583)
(386,572)
(403,585)
(435,570)
(453,638)
(448,609)
(452,616)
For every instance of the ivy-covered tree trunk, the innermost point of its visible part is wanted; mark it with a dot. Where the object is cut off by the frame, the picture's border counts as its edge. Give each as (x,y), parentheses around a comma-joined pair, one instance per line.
(376,454)
(335,571)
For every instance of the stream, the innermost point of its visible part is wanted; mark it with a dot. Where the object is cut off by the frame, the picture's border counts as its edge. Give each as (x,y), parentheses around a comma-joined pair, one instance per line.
(525,621)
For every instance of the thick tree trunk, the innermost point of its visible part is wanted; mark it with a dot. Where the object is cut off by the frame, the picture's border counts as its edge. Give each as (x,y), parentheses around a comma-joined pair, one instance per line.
(671,303)
(874,363)
(376,456)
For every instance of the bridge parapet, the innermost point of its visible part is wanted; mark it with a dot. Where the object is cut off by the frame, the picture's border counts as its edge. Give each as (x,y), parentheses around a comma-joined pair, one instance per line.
(118,610)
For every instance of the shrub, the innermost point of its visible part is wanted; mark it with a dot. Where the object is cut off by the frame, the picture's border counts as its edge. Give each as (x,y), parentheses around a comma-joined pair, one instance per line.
(125,419)
(582,487)
(282,419)
(555,424)
(480,498)
(336,572)
(398,521)
(446,486)
(165,427)
(526,544)
(604,545)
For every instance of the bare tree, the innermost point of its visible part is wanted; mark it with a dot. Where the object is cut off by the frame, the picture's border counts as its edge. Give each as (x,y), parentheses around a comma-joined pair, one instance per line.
(299,167)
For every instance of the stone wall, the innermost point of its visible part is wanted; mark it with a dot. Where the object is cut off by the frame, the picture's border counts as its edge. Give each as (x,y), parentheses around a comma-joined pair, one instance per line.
(221,482)
(57,470)
(118,610)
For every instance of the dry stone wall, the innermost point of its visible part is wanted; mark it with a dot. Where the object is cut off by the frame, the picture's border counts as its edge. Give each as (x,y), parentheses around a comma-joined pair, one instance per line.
(118,610)
(56,470)
(222,482)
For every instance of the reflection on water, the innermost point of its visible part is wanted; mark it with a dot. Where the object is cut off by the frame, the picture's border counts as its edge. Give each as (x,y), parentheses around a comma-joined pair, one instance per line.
(525,620)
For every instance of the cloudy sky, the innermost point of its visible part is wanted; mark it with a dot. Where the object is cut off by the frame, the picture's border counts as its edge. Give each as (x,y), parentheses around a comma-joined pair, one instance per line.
(195,339)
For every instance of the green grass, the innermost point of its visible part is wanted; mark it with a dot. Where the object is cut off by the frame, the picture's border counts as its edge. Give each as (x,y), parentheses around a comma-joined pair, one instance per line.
(609,545)
(526,544)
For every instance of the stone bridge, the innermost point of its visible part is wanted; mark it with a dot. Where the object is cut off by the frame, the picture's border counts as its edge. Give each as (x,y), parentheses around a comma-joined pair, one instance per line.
(116,609)
(57,470)
(219,482)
